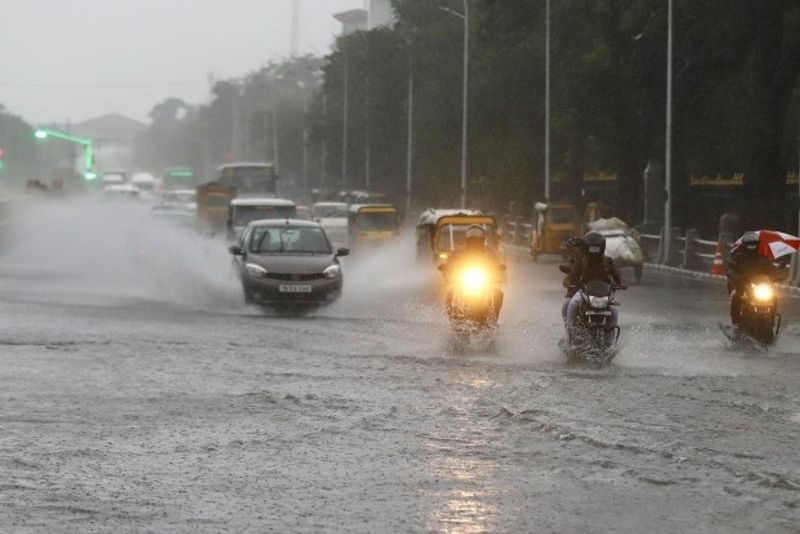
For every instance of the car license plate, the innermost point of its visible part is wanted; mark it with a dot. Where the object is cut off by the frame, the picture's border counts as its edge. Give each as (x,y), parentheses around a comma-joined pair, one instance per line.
(294,288)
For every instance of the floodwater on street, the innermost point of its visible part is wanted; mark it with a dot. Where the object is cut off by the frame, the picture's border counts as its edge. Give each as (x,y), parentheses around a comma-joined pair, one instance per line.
(139,393)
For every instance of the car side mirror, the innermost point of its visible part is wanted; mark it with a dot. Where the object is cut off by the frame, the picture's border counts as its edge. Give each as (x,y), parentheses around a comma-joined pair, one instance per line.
(341,252)
(235,250)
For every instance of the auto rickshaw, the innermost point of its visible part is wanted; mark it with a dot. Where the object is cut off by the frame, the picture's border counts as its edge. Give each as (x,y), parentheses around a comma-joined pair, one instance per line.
(553,225)
(372,225)
(213,200)
(440,232)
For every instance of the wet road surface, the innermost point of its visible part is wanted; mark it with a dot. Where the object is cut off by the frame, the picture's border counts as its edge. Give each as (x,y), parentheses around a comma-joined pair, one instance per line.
(137,393)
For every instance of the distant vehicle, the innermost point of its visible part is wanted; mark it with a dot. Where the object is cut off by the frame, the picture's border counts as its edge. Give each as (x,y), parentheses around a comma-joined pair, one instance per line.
(440,231)
(213,202)
(243,211)
(372,224)
(362,197)
(113,178)
(121,192)
(250,179)
(288,263)
(180,198)
(303,213)
(146,183)
(176,178)
(553,225)
(333,217)
(176,217)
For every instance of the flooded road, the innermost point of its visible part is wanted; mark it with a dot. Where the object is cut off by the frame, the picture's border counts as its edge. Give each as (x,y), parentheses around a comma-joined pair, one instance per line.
(139,393)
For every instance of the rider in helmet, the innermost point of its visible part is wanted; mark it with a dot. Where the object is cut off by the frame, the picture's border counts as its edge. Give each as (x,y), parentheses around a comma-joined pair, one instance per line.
(745,263)
(475,249)
(592,265)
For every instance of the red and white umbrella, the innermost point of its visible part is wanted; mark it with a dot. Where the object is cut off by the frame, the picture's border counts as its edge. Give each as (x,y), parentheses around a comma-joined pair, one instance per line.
(773,244)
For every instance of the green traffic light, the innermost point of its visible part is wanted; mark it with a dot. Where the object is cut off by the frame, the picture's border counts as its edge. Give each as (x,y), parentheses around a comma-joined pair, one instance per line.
(90,175)
(40,134)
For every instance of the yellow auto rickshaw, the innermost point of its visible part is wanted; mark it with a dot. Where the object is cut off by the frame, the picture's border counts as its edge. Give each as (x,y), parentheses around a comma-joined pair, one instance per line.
(213,200)
(553,224)
(450,233)
(427,226)
(372,225)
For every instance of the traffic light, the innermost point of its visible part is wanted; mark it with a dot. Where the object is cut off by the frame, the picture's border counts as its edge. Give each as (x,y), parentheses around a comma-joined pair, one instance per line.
(2,160)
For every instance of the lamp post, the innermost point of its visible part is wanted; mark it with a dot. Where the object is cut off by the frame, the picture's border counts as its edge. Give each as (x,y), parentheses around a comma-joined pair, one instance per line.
(465,104)
(667,248)
(547,105)
(88,147)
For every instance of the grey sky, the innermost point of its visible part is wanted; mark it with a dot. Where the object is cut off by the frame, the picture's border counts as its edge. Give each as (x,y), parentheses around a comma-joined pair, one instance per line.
(77,59)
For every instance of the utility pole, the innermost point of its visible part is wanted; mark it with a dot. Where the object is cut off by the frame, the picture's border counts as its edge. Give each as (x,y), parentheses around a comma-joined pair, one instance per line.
(410,138)
(547,105)
(367,148)
(667,248)
(345,112)
(323,164)
(465,110)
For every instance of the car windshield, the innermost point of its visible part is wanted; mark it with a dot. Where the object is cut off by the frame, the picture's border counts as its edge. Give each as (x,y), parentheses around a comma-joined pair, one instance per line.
(244,215)
(288,240)
(330,212)
(381,221)
(452,236)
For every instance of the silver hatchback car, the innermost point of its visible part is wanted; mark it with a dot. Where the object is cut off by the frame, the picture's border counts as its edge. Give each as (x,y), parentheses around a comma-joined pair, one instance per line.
(288,263)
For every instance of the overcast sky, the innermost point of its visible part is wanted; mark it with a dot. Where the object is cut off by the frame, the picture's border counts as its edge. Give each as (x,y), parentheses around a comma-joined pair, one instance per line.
(78,59)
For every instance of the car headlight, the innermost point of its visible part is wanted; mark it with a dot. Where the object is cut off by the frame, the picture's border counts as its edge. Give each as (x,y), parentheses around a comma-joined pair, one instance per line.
(443,255)
(474,280)
(254,270)
(334,271)
(763,292)
(598,302)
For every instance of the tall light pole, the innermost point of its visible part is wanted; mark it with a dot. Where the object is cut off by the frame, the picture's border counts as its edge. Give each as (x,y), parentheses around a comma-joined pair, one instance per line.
(345,113)
(547,105)
(410,138)
(465,105)
(88,147)
(668,145)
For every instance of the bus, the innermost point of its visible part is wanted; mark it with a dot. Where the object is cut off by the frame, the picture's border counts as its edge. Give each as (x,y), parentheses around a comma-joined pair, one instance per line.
(178,178)
(250,179)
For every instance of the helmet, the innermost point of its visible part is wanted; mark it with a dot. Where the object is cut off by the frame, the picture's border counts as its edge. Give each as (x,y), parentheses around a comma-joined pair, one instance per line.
(475,235)
(595,243)
(750,241)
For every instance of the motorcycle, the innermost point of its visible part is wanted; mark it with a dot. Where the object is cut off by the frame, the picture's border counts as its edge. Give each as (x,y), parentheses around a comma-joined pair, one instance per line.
(758,313)
(593,336)
(474,296)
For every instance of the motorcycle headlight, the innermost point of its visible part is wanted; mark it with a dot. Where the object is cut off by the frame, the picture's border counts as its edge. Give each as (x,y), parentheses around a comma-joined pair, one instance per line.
(474,280)
(334,271)
(763,292)
(598,302)
(254,270)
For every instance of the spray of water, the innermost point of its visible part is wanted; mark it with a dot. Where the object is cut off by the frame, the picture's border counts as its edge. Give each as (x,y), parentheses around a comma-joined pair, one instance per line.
(86,248)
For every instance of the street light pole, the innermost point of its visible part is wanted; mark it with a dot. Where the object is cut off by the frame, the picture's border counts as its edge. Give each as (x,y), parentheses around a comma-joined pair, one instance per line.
(410,138)
(465,108)
(87,143)
(667,248)
(345,112)
(547,105)
(465,94)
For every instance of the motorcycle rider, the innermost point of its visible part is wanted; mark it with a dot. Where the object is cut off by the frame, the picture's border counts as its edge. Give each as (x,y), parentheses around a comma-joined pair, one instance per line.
(475,250)
(745,263)
(592,265)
